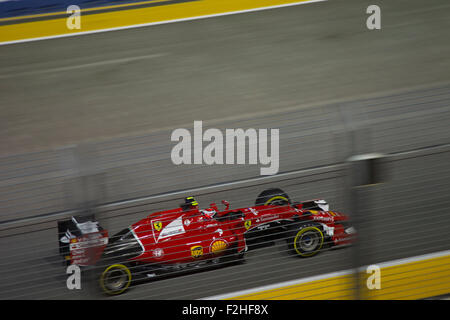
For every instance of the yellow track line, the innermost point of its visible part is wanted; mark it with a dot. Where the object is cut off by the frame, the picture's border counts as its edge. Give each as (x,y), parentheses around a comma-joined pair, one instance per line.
(406,281)
(136,17)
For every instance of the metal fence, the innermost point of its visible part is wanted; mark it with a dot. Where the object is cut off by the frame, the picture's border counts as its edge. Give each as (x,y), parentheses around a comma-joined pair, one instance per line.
(123,180)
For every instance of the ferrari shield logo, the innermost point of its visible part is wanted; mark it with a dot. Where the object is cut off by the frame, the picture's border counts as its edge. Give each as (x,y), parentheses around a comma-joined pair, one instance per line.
(196,251)
(248,224)
(157,225)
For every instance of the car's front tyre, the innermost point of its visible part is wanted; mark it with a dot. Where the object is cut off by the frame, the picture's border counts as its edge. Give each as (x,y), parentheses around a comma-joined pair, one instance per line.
(307,240)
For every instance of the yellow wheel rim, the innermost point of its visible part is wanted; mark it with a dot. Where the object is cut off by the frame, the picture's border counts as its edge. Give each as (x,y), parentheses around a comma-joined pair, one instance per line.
(300,233)
(275,198)
(104,274)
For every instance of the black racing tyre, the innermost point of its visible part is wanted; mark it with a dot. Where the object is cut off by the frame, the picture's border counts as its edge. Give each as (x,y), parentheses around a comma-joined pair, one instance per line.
(272,196)
(115,279)
(307,240)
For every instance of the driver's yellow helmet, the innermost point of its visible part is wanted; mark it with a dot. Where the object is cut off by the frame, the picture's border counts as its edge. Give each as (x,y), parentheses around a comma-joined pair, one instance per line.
(191,201)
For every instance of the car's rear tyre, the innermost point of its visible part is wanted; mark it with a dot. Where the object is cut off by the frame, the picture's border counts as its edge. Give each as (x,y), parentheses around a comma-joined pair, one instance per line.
(115,279)
(272,196)
(307,241)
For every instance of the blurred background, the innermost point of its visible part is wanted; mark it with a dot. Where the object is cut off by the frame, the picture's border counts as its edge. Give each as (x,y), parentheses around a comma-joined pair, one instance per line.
(85,123)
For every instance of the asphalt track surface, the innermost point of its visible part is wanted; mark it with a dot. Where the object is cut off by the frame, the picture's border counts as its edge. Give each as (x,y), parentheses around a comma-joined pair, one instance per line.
(269,69)
(167,76)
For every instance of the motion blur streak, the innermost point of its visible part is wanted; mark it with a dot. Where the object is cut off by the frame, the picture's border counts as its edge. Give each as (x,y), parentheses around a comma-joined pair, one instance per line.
(97,138)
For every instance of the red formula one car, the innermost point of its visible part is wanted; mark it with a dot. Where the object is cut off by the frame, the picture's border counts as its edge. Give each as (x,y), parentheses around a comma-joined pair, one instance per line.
(186,237)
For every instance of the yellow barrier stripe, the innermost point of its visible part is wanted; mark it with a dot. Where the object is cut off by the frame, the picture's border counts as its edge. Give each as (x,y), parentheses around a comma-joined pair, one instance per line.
(407,281)
(42,15)
(135,17)
(326,289)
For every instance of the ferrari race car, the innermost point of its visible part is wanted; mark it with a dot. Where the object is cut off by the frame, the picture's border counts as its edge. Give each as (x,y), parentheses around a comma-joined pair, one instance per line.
(186,238)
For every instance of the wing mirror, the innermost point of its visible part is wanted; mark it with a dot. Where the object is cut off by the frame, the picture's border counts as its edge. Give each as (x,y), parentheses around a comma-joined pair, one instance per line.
(226,204)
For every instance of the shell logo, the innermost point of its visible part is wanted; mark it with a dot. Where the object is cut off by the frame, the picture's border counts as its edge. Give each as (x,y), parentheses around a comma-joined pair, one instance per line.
(218,246)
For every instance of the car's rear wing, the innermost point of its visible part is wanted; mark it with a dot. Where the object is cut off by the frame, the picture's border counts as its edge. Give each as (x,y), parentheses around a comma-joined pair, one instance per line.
(81,240)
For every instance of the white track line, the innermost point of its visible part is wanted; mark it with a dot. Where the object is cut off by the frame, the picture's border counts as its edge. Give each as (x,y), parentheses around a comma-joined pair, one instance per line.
(80,66)
(161,22)
(325,276)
